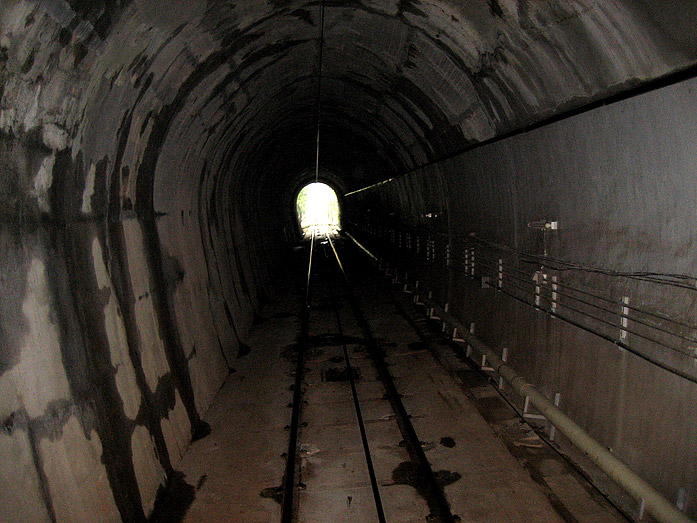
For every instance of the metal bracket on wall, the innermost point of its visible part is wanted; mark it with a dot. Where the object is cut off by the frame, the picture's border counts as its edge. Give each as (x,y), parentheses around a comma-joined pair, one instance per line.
(484,366)
(528,414)
(624,319)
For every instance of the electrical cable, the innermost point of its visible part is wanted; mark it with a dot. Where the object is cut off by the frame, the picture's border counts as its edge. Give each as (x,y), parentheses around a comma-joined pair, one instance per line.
(456,264)
(319,85)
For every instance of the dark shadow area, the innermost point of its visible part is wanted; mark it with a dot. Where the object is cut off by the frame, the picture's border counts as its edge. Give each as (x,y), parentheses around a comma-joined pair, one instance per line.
(173,501)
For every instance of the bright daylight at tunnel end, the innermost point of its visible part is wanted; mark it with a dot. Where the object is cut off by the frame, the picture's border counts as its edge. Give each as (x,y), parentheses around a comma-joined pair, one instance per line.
(524,172)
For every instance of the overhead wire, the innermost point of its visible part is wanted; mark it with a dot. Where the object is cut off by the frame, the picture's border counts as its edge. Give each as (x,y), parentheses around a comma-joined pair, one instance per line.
(320,58)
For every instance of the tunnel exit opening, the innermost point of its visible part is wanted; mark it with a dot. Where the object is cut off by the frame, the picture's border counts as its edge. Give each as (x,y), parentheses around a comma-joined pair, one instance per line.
(317,207)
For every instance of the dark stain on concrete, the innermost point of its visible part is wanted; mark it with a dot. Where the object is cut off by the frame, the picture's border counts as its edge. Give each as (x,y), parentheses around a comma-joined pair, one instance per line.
(334,374)
(116,256)
(80,51)
(163,399)
(275,493)
(13,324)
(161,292)
(411,7)
(495,8)
(417,346)
(162,303)
(68,181)
(43,481)
(243,350)
(28,62)
(3,70)
(99,198)
(174,500)
(88,300)
(8,424)
(407,473)
(100,13)
(221,88)
(65,36)
(201,481)
(173,270)
(447,441)
(303,14)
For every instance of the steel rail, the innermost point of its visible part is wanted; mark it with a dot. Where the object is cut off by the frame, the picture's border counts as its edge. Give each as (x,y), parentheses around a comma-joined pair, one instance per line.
(356,404)
(288,507)
(434,494)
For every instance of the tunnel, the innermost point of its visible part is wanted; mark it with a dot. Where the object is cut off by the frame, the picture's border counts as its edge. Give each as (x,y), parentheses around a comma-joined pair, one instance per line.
(520,171)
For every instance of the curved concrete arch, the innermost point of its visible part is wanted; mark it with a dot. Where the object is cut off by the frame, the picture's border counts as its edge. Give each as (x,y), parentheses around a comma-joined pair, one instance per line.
(148,152)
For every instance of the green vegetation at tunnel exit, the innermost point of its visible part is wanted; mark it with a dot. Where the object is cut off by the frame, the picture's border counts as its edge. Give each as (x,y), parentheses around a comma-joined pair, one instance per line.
(317,205)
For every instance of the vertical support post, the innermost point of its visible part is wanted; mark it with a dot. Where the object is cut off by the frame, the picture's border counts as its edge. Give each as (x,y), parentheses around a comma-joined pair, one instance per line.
(447,255)
(445,325)
(624,319)
(681,502)
(467,260)
(468,352)
(472,261)
(555,294)
(553,429)
(538,289)
(642,508)
(504,358)
(500,284)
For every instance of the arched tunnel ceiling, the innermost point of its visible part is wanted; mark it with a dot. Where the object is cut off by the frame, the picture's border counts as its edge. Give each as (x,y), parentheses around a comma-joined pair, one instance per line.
(404,82)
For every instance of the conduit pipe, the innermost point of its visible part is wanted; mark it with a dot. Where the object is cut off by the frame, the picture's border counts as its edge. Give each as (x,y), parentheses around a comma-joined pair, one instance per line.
(657,505)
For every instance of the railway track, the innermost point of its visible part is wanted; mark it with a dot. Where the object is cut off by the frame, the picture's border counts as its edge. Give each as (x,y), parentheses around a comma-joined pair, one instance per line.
(330,304)
(388,423)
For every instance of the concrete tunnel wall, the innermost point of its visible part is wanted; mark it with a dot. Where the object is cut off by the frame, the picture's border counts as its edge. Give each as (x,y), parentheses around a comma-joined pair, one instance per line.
(148,154)
(619,180)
